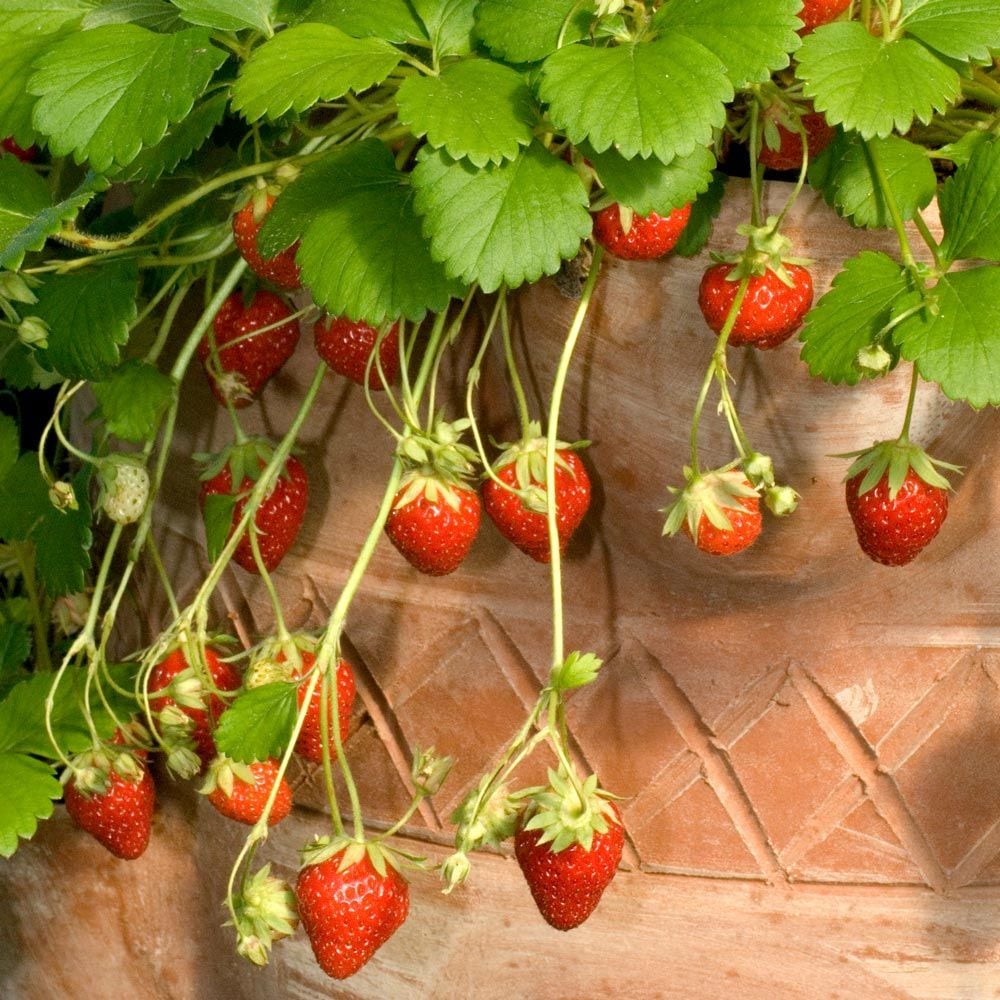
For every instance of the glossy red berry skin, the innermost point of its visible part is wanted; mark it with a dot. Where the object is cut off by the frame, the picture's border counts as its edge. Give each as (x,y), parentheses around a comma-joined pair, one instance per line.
(349,915)
(120,819)
(817,12)
(310,742)
(254,358)
(246,804)
(771,310)
(745,528)
(280,270)
(649,236)
(433,536)
(788,156)
(529,529)
(893,532)
(567,886)
(224,677)
(278,518)
(24,155)
(346,346)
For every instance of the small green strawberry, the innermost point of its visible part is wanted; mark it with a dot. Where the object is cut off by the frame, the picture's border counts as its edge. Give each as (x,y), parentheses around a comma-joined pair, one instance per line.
(125,487)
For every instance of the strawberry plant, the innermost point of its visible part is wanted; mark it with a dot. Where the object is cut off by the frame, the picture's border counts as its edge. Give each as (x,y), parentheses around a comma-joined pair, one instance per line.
(373,172)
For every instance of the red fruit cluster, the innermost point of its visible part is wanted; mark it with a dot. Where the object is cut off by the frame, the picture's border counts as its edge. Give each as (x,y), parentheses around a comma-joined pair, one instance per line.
(246,804)
(789,154)
(310,742)
(247,359)
(120,818)
(893,531)
(771,311)
(280,270)
(348,915)
(224,677)
(529,529)
(277,519)
(346,346)
(648,237)
(432,535)
(567,886)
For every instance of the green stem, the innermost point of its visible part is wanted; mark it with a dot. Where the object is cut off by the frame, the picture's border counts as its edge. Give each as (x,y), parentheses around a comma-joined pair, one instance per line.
(904,434)
(932,243)
(324,738)
(755,180)
(892,205)
(472,381)
(154,352)
(523,413)
(24,554)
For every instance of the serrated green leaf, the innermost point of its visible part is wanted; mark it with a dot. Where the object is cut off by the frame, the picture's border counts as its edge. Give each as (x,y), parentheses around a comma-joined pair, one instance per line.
(157,15)
(393,20)
(525,31)
(133,399)
(179,143)
(21,233)
(217,513)
(29,789)
(959,29)
(960,152)
(42,17)
(19,367)
(970,206)
(870,86)
(959,347)
(306,64)
(504,224)
(62,543)
(703,214)
(88,320)
(376,271)
(24,499)
(258,724)
(475,109)
(15,645)
(449,24)
(10,444)
(101,93)
(751,45)
(844,173)
(850,315)
(662,98)
(229,15)
(651,186)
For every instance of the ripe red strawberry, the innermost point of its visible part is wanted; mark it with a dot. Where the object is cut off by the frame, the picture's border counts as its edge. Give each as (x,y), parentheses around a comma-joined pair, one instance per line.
(240,791)
(817,12)
(280,270)
(522,466)
(346,346)
(348,915)
(788,156)
(24,155)
(567,875)
(771,311)
(246,358)
(310,743)
(648,236)
(278,518)
(745,527)
(120,817)
(224,677)
(719,510)
(897,500)
(431,533)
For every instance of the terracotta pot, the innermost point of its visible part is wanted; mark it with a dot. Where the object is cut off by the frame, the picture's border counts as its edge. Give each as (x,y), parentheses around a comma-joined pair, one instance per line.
(807,743)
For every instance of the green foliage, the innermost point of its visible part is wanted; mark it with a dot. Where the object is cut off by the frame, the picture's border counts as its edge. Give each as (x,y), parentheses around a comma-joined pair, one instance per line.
(970,206)
(62,543)
(30,787)
(449,24)
(524,31)
(393,20)
(957,29)
(217,513)
(229,15)
(133,399)
(259,722)
(703,213)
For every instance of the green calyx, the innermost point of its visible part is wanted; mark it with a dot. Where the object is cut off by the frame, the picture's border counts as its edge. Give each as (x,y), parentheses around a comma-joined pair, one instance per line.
(436,463)
(223,773)
(264,912)
(894,459)
(91,771)
(565,815)
(766,250)
(382,857)
(485,823)
(710,493)
(246,460)
(528,459)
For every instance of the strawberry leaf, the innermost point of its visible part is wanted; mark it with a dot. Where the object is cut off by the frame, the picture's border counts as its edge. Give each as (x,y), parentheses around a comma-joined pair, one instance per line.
(258,724)
(503,224)
(88,320)
(306,64)
(24,499)
(62,543)
(851,316)
(229,15)
(378,271)
(703,213)
(524,31)
(662,98)
(872,86)
(651,186)
(970,206)
(9,444)
(475,109)
(958,29)
(15,645)
(157,15)
(577,670)
(843,173)
(29,788)
(449,24)
(959,348)
(102,95)
(217,513)
(393,20)
(133,399)
(751,46)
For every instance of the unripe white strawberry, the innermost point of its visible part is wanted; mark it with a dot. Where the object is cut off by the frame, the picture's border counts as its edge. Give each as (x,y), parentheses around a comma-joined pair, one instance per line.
(126,488)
